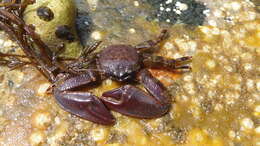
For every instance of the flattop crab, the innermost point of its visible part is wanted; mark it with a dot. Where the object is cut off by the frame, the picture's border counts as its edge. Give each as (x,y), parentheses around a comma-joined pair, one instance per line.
(121,63)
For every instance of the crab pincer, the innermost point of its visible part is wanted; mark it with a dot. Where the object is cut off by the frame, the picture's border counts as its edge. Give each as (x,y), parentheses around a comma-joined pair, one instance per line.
(82,104)
(132,101)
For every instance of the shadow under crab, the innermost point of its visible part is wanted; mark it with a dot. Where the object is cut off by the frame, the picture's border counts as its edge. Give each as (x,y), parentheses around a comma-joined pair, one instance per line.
(122,63)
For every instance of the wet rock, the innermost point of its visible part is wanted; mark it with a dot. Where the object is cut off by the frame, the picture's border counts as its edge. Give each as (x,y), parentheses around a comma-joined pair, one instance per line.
(116,137)
(84,21)
(179,135)
(83,26)
(179,11)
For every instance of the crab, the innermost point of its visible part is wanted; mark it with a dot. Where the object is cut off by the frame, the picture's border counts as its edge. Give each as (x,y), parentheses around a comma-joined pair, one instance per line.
(122,63)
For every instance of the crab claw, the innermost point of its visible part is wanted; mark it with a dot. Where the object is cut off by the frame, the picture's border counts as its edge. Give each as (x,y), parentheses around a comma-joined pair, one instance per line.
(84,105)
(132,101)
(154,87)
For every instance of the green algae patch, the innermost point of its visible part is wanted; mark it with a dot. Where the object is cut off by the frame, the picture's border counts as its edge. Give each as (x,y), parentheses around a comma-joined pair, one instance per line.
(64,14)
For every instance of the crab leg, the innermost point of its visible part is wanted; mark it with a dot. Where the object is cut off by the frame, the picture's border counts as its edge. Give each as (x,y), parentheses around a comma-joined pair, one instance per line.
(82,104)
(161,62)
(154,87)
(132,101)
(150,44)
(74,81)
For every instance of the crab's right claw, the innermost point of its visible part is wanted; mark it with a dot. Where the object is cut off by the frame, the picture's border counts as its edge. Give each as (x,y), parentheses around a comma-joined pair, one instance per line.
(84,105)
(132,101)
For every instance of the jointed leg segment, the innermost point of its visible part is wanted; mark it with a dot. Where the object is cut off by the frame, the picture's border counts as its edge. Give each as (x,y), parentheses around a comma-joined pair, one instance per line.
(150,44)
(152,61)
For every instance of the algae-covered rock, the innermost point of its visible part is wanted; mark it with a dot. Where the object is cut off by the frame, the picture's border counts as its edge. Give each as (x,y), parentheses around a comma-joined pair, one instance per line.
(64,14)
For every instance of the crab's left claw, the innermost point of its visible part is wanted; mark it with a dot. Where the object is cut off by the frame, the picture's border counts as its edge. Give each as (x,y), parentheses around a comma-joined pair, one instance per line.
(84,105)
(132,101)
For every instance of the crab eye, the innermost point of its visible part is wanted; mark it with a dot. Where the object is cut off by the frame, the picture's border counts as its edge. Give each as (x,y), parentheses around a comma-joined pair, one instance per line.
(122,76)
(126,77)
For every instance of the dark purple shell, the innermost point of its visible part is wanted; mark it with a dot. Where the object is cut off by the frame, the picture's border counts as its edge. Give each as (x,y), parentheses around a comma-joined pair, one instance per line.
(119,61)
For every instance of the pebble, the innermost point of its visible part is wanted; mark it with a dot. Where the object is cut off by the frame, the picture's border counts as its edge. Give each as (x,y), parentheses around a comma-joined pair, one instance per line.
(189,87)
(257,130)
(168,9)
(218,13)
(136,3)
(228,68)
(93,4)
(41,119)
(205,30)
(232,134)
(96,35)
(168,2)
(248,67)
(212,23)
(206,12)
(251,15)
(257,111)
(250,84)
(177,11)
(211,64)
(168,46)
(36,138)
(218,107)
(181,6)
(176,55)
(246,57)
(184,98)
(235,6)
(132,30)
(246,124)
(8,43)
(187,78)
(98,134)
(43,88)
(257,108)
(1,42)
